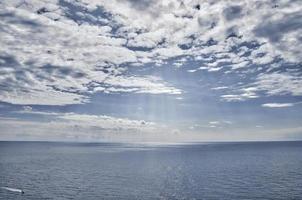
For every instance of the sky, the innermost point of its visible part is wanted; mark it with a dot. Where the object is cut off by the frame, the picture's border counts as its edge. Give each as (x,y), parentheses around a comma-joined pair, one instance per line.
(150,70)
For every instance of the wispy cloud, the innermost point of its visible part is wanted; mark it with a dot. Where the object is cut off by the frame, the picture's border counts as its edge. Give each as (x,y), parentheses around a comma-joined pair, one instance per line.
(269,84)
(277,105)
(73,126)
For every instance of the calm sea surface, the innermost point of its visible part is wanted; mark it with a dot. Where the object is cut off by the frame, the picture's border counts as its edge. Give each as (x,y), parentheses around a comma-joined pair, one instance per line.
(256,170)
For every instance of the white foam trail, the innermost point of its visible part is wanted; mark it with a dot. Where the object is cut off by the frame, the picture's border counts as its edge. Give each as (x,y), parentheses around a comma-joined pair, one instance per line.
(12,189)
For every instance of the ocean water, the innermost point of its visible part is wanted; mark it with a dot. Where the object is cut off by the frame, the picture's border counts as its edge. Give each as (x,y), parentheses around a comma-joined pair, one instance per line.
(254,170)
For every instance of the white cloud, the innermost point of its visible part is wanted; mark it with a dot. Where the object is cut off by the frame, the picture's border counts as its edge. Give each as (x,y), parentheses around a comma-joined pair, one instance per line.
(280,105)
(56,49)
(60,62)
(95,128)
(279,83)
(220,88)
(222,123)
(150,84)
(271,84)
(277,105)
(27,108)
(82,127)
(239,97)
(101,121)
(214,122)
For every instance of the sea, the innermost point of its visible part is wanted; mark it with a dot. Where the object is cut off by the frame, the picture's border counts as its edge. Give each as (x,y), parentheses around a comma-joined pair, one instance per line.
(209,171)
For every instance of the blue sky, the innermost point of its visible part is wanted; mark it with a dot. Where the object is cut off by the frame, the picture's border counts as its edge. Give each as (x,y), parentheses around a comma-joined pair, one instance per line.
(150,71)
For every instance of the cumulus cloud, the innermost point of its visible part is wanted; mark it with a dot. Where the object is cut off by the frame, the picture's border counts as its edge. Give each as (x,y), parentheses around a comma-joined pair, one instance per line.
(68,50)
(45,56)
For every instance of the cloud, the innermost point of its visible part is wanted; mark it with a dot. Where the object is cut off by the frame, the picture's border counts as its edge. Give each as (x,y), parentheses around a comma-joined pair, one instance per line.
(220,88)
(87,120)
(73,126)
(149,84)
(247,93)
(277,105)
(290,26)
(41,125)
(61,60)
(269,84)
(279,83)
(214,122)
(27,108)
(68,50)
(220,124)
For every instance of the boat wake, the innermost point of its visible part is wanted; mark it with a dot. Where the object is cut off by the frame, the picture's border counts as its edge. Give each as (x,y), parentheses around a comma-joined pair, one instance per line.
(12,189)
